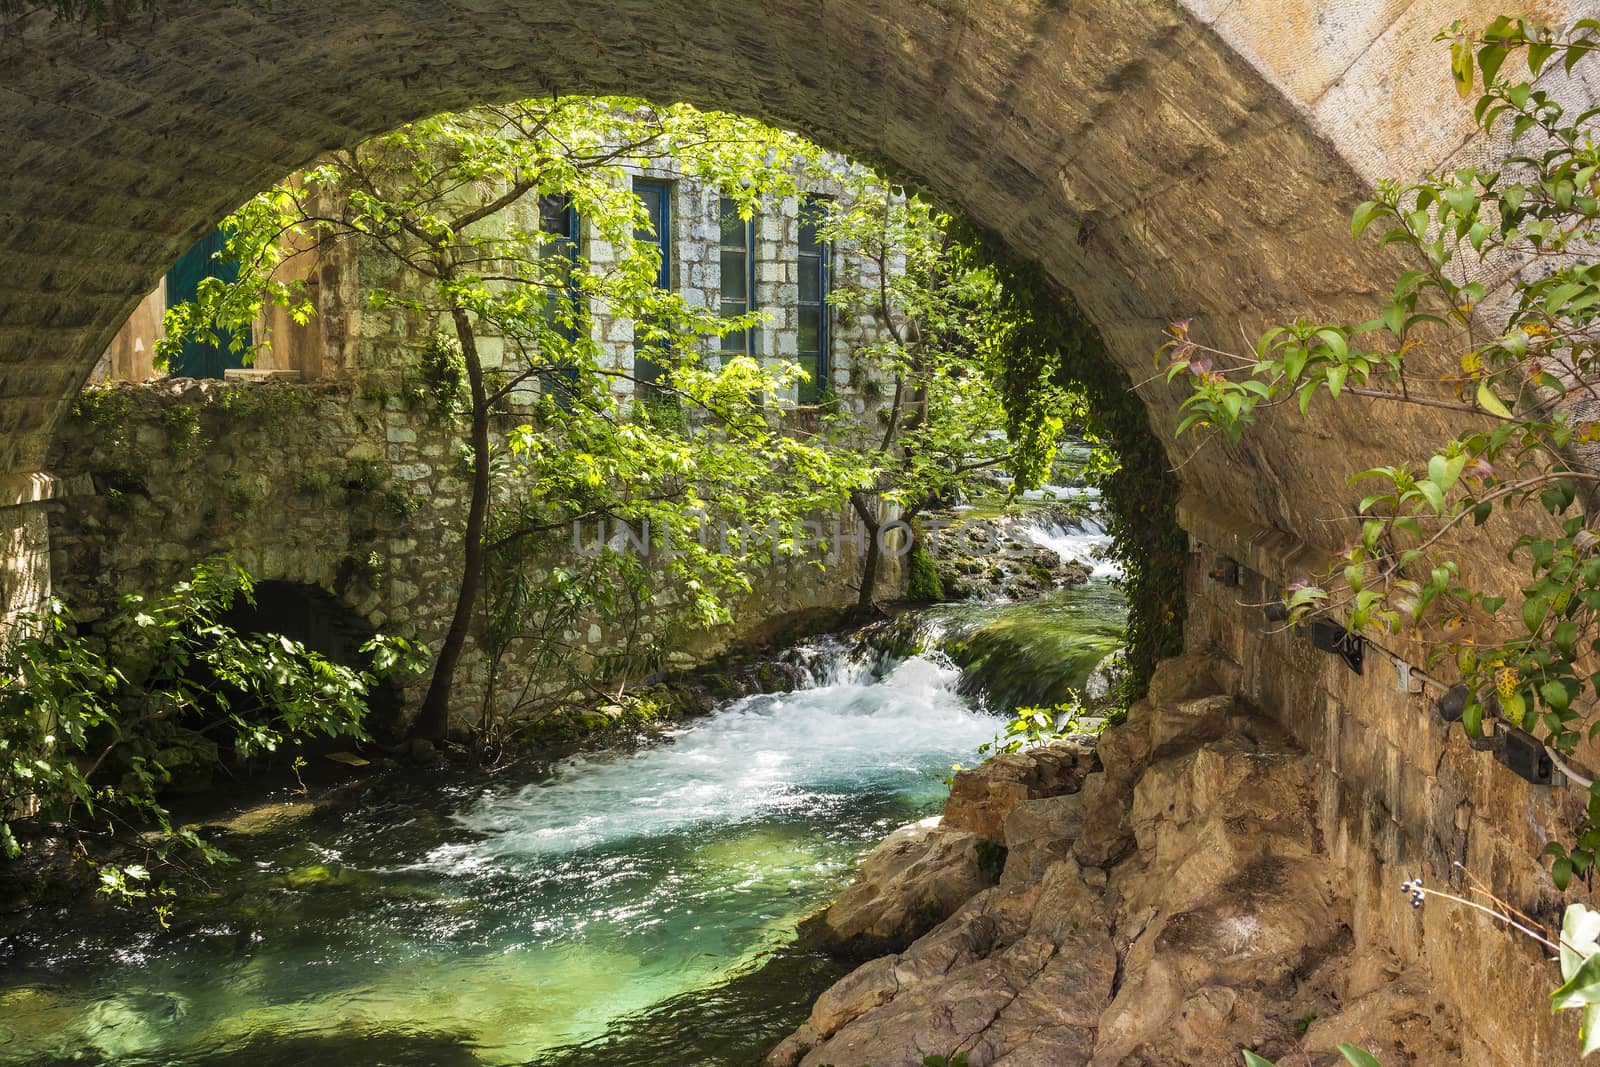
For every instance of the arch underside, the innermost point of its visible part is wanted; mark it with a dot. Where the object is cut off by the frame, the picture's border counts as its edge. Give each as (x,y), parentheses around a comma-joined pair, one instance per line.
(1161,159)
(1126,146)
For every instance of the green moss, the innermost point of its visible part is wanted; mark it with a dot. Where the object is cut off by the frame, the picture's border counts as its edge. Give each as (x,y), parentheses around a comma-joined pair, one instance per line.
(182,425)
(315,876)
(992,860)
(363,477)
(924,582)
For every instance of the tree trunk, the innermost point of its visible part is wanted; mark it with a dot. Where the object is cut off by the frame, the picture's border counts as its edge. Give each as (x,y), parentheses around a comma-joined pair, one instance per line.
(874,557)
(433,721)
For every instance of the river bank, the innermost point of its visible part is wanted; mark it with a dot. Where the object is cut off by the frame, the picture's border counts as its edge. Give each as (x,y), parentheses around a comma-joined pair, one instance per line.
(632,905)
(1161,898)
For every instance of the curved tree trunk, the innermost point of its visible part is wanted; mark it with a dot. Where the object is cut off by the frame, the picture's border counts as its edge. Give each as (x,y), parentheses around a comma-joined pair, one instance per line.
(433,721)
(874,557)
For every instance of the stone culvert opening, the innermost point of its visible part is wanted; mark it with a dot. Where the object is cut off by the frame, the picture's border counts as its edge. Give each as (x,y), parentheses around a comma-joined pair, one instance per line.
(324,624)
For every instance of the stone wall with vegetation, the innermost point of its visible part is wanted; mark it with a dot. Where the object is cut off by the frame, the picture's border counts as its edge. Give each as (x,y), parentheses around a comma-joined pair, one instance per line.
(361,493)
(1400,794)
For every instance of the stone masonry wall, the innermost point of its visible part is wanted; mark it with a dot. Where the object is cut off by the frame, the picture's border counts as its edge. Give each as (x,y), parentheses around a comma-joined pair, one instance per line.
(1401,795)
(354,492)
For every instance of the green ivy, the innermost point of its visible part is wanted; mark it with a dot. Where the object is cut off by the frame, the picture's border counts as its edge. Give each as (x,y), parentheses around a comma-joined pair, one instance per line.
(1052,344)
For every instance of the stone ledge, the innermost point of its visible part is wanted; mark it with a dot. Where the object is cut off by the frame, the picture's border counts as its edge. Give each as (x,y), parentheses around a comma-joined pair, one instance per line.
(18,490)
(261,374)
(1269,552)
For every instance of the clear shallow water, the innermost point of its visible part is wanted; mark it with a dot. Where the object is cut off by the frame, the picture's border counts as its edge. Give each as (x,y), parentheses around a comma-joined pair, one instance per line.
(1038,652)
(626,909)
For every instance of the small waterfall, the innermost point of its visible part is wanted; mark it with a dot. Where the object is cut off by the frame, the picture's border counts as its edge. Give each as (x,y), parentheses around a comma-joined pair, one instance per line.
(1085,541)
(1074,532)
(776,753)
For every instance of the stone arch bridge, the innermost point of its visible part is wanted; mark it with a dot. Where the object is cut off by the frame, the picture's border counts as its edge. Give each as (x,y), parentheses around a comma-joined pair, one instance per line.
(1161,159)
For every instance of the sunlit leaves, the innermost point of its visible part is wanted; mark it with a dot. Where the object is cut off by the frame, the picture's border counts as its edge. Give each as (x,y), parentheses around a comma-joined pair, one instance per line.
(67,703)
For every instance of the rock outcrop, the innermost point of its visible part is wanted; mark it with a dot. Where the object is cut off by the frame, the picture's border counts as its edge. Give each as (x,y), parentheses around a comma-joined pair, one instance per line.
(981,798)
(1171,908)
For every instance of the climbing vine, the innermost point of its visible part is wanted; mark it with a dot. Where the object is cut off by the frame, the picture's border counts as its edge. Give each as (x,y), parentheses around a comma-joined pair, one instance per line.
(1049,345)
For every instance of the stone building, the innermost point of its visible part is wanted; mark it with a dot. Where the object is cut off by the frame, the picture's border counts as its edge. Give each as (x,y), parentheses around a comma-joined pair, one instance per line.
(317,467)
(772,263)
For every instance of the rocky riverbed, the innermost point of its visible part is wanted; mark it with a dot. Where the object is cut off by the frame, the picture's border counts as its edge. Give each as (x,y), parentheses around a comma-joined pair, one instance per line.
(1157,898)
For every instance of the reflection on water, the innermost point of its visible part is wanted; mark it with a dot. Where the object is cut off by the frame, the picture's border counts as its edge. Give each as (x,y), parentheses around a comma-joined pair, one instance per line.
(492,922)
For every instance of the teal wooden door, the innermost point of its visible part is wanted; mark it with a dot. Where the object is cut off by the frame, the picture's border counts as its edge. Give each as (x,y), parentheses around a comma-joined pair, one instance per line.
(183,283)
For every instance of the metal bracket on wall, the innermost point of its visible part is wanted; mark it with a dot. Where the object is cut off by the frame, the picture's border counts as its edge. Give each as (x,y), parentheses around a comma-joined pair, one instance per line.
(1225,571)
(1331,637)
(1524,754)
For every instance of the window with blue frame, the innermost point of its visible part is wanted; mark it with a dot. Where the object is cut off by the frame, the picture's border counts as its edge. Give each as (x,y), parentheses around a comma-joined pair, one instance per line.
(816,265)
(738,254)
(564,308)
(199,359)
(657,199)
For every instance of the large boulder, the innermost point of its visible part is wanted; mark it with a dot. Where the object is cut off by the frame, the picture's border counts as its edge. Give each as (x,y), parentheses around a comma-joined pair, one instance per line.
(1039,833)
(1017,977)
(982,797)
(910,882)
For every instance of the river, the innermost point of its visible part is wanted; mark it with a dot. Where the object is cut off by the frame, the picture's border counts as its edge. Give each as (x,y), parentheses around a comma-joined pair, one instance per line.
(625,908)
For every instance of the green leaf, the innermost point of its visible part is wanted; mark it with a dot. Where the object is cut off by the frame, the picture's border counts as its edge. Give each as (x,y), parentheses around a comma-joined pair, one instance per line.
(1566,635)
(1444,472)
(1489,59)
(1252,1060)
(1491,403)
(1539,53)
(1334,341)
(1306,392)
(1335,379)
(1580,937)
(1294,361)
(1360,219)
(1359,1057)
(1534,610)
(1589,1029)
(1583,988)
(1561,872)
(1461,67)
(1433,494)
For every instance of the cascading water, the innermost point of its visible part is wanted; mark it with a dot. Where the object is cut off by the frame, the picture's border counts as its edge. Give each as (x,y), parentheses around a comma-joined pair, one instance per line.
(1081,537)
(1084,540)
(595,914)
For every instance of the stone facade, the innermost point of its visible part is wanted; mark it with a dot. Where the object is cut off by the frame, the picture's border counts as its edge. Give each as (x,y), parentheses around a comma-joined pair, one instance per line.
(357,492)
(346,339)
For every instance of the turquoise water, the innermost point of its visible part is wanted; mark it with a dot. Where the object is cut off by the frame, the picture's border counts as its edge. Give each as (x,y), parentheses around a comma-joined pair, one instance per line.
(1038,652)
(622,909)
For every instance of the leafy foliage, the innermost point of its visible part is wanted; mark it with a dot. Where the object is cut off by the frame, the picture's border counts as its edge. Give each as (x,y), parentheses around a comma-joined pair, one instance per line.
(1050,349)
(1580,972)
(672,445)
(1523,463)
(940,309)
(73,709)
(1031,727)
